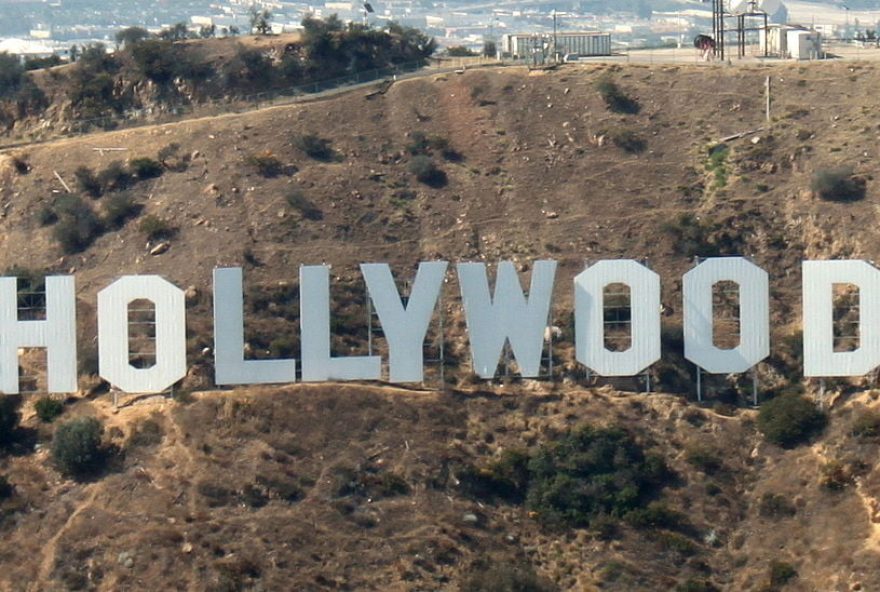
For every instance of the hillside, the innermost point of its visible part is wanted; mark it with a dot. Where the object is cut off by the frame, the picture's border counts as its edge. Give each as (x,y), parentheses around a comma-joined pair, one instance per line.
(250,489)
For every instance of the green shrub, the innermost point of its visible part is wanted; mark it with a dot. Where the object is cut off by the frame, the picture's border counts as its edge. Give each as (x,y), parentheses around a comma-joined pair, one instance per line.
(606,527)
(507,478)
(157,60)
(302,204)
(87,181)
(780,573)
(696,585)
(77,224)
(248,69)
(628,141)
(132,36)
(789,420)
(266,164)
(11,74)
(42,63)
(656,515)
(284,489)
(693,237)
(282,347)
(392,484)
(590,472)
(505,576)
(315,147)
(217,495)
(703,457)
(426,171)
(459,51)
(615,99)
(838,474)
(114,178)
(6,488)
(422,144)
(773,505)
(866,425)
(155,228)
(118,208)
(48,409)
(673,542)
(418,143)
(147,433)
(717,164)
(146,168)
(171,158)
(76,447)
(46,216)
(838,184)
(9,418)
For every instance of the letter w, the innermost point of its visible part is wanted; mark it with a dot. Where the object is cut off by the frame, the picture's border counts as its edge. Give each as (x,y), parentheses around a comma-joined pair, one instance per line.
(508,316)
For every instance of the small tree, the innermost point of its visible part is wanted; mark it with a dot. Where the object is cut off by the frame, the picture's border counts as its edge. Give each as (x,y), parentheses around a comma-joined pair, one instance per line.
(131,36)
(76,447)
(11,74)
(178,32)
(260,20)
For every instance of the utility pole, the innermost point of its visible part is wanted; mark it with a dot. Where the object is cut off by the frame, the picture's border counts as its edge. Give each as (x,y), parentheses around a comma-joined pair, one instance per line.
(555,52)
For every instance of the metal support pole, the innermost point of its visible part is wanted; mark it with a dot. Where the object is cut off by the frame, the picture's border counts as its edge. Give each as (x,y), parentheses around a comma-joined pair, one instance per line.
(369,326)
(442,344)
(755,386)
(699,385)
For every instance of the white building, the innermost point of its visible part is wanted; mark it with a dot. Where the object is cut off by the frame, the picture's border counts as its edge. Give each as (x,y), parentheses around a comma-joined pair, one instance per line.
(585,43)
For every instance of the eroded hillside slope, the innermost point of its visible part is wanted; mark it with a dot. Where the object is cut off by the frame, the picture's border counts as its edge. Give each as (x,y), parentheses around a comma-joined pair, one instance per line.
(252,489)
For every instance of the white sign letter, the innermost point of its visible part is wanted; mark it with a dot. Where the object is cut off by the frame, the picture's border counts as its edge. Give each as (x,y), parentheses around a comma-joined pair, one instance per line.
(57,334)
(589,297)
(405,326)
(314,303)
(509,315)
(754,313)
(820,359)
(113,347)
(230,367)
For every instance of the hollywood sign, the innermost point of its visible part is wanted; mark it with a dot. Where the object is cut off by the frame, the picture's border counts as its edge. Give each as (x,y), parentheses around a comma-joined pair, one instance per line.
(506,315)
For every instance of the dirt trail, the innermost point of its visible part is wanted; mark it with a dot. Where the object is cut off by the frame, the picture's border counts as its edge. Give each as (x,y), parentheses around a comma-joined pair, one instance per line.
(50,550)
